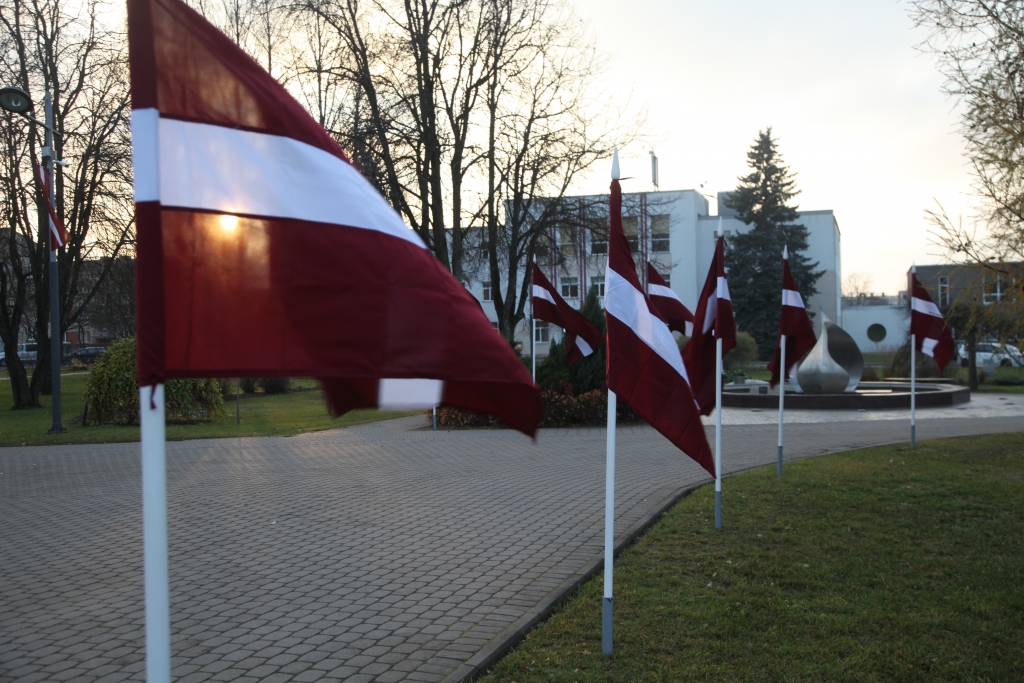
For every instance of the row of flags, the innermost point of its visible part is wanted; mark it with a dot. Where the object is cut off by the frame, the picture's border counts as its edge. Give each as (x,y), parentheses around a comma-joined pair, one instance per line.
(262,251)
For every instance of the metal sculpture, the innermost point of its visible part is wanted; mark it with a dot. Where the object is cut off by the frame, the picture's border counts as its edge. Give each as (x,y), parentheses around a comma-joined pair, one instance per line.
(844,351)
(818,373)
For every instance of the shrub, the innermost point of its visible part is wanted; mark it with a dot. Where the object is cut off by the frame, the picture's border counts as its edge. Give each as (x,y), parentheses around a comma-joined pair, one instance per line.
(899,366)
(112,393)
(248,384)
(561,409)
(744,352)
(275,385)
(554,368)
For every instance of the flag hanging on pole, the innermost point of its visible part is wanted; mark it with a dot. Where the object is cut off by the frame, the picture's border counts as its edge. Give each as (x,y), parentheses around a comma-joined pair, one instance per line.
(582,338)
(933,337)
(58,234)
(670,307)
(263,251)
(795,324)
(712,320)
(644,366)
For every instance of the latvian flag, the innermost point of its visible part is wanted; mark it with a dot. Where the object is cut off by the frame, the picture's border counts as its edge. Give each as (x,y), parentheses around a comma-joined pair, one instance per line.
(933,337)
(58,234)
(263,251)
(795,324)
(670,307)
(644,367)
(714,320)
(582,338)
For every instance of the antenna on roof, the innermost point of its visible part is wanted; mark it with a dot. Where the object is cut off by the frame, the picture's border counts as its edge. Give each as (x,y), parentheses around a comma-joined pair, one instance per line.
(654,169)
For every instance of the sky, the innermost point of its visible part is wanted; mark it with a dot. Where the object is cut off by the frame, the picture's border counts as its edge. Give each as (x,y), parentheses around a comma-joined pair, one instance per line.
(858,112)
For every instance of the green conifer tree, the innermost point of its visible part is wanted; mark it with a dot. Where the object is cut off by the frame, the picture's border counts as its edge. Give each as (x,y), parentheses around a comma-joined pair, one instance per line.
(754,258)
(587,374)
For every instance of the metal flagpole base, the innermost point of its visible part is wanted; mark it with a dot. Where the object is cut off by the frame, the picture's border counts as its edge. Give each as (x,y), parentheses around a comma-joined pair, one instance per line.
(780,461)
(913,436)
(606,626)
(718,509)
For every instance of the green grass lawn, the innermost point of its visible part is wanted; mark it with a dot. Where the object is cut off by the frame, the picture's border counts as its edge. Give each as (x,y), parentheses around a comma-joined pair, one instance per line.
(263,415)
(878,565)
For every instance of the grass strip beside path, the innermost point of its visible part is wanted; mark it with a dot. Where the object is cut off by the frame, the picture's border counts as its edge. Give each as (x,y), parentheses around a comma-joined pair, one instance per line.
(263,415)
(884,564)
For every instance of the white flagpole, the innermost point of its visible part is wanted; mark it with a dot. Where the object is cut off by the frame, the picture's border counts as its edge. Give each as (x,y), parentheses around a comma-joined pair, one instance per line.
(154,534)
(609,529)
(718,416)
(784,367)
(913,390)
(609,499)
(782,396)
(913,373)
(533,342)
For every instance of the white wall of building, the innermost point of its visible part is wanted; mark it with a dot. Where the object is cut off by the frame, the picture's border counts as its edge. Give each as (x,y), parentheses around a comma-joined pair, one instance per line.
(692,233)
(893,320)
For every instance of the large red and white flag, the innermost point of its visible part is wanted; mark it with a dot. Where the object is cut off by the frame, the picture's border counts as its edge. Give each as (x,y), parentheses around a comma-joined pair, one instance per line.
(670,306)
(582,338)
(263,251)
(795,325)
(932,335)
(713,320)
(644,367)
(58,233)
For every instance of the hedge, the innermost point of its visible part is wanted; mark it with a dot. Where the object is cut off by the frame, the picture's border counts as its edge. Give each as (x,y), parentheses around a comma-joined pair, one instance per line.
(112,393)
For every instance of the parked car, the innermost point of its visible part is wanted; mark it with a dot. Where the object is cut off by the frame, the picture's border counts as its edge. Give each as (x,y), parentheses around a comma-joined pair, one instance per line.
(86,355)
(26,352)
(992,353)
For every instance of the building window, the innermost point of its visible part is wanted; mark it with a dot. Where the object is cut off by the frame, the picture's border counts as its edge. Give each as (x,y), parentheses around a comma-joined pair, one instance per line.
(668,279)
(540,332)
(542,251)
(599,236)
(570,287)
(487,291)
(876,332)
(599,283)
(943,291)
(629,226)
(567,239)
(659,233)
(993,290)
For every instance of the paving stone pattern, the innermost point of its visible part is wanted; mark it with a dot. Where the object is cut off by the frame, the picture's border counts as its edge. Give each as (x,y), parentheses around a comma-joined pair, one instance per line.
(383,552)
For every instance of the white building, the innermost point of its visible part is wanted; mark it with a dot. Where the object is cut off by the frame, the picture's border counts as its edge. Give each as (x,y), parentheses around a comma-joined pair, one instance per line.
(674,231)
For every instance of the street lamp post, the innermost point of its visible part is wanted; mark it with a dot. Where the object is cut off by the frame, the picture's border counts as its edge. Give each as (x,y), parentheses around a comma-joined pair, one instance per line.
(17,101)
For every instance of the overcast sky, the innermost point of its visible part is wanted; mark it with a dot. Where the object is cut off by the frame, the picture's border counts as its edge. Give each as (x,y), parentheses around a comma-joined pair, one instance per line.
(859,112)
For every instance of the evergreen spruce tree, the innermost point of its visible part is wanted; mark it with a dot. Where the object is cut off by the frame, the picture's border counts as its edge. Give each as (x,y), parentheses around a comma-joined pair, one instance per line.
(587,373)
(754,258)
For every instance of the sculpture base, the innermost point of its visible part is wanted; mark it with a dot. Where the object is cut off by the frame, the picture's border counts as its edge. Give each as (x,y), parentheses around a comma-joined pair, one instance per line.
(868,396)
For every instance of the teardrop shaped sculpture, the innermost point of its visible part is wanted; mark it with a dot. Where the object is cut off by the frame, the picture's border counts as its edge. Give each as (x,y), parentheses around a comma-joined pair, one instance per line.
(845,352)
(818,373)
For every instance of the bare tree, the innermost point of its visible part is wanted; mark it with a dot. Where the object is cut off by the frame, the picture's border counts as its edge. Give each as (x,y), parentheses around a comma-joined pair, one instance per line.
(548,121)
(979,45)
(67,51)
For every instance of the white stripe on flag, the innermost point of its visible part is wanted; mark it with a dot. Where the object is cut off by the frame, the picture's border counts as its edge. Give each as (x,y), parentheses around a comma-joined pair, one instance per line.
(583,346)
(145,165)
(662,290)
(541,293)
(928,346)
(689,328)
(723,289)
(625,302)
(409,394)
(225,170)
(710,313)
(792,298)
(926,307)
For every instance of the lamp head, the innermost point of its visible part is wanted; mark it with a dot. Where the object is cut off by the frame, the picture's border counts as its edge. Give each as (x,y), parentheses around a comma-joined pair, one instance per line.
(15,100)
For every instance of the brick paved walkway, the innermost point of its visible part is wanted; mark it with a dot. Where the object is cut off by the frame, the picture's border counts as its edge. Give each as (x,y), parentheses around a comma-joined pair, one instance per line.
(381,552)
